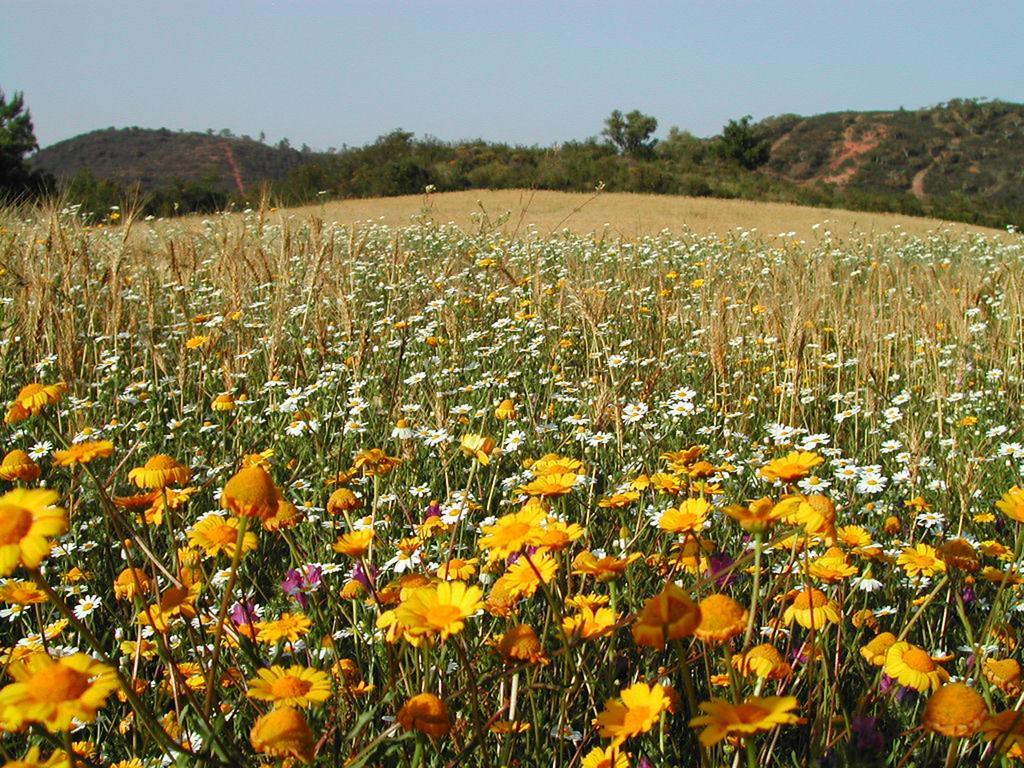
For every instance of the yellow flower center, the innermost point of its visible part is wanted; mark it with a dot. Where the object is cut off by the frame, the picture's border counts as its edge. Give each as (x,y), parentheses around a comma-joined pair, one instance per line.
(15,522)
(636,719)
(918,660)
(443,615)
(750,713)
(222,534)
(290,687)
(56,683)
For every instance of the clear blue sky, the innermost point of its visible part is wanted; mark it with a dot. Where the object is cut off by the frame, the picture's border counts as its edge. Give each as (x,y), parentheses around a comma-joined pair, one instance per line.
(334,73)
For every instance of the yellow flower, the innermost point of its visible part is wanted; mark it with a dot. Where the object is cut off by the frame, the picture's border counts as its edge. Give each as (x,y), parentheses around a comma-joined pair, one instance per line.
(343,500)
(32,759)
(688,517)
(619,500)
(195,342)
(426,713)
(477,447)
(513,532)
(52,692)
(526,574)
(831,567)
(876,649)
(21,593)
(289,626)
(762,661)
(758,516)
(913,667)
(251,493)
(131,583)
(721,618)
(812,609)
(223,402)
(283,732)
(548,486)
(457,569)
(1004,674)
(955,710)
(160,471)
(921,560)
(604,568)
(613,757)
(790,468)
(297,685)
(722,719)
(215,535)
(669,615)
(1012,504)
(31,400)
(636,711)
(1007,729)
(354,543)
(375,462)
(83,453)
(18,465)
(588,624)
(175,602)
(522,644)
(505,410)
(438,610)
(27,521)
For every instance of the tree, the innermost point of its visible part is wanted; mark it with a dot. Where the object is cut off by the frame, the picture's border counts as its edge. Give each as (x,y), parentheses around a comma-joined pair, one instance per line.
(631,134)
(744,143)
(17,139)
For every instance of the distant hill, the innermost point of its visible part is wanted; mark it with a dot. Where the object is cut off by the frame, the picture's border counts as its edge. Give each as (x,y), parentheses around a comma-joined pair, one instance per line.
(962,160)
(155,159)
(962,147)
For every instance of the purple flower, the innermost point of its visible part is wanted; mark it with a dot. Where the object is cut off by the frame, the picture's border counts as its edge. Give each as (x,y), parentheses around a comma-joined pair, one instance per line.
(866,736)
(968,595)
(364,578)
(299,583)
(720,564)
(243,613)
(434,510)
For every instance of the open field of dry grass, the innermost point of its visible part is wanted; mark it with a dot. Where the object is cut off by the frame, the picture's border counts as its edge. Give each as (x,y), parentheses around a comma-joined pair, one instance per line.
(622,214)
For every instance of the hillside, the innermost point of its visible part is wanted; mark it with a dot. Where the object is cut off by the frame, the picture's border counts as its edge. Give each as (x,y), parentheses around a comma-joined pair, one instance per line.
(960,148)
(157,159)
(963,161)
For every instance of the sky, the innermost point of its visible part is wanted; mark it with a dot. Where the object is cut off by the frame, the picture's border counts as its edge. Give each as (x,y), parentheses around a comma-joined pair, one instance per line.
(330,74)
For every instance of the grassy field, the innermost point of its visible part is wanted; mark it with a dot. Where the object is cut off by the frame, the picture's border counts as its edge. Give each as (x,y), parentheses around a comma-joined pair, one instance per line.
(279,490)
(621,214)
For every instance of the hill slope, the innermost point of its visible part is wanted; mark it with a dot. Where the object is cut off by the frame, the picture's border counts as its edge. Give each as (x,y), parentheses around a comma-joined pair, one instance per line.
(156,159)
(959,148)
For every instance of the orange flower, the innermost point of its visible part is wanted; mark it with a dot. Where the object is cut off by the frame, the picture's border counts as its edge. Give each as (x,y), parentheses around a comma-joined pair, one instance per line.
(521,644)
(251,493)
(354,543)
(603,568)
(375,462)
(669,615)
(53,692)
(426,713)
(31,400)
(160,471)
(27,522)
(283,732)
(812,609)
(477,447)
(131,583)
(721,618)
(793,467)
(722,719)
(83,453)
(343,500)
(636,712)
(913,667)
(955,710)
(18,465)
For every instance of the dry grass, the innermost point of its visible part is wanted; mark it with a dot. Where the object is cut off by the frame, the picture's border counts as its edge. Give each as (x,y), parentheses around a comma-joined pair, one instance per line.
(621,214)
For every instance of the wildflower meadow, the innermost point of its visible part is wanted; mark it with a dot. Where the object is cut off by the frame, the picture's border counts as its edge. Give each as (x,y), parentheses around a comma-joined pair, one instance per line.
(277,491)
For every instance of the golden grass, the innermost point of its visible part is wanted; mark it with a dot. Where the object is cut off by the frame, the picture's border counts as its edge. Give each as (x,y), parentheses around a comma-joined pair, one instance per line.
(621,214)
